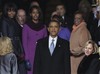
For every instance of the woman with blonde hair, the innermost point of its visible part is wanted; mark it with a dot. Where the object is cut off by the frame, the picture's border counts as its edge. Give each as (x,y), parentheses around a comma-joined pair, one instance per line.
(90,64)
(8,60)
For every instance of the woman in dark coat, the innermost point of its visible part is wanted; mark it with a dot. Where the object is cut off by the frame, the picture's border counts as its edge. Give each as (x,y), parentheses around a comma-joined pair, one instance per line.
(90,63)
(10,28)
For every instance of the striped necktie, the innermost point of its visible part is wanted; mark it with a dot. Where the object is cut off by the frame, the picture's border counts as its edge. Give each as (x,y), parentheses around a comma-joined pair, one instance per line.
(52,46)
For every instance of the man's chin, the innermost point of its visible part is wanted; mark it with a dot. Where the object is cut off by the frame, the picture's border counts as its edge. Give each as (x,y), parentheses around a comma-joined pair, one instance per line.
(53,35)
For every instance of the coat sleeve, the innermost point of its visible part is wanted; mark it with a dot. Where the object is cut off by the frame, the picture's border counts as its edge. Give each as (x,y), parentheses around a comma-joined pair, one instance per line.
(4,28)
(25,39)
(36,66)
(14,65)
(67,59)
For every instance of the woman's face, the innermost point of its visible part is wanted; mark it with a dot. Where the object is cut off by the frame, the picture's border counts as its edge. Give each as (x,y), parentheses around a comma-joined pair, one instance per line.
(35,14)
(78,19)
(88,49)
(11,13)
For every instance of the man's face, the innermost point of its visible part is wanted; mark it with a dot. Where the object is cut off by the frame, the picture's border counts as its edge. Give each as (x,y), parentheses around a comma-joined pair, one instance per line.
(21,16)
(53,29)
(60,10)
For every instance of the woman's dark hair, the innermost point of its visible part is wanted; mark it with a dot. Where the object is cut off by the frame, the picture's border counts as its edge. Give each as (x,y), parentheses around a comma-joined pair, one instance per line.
(79,12)
(9,7)
(39,10)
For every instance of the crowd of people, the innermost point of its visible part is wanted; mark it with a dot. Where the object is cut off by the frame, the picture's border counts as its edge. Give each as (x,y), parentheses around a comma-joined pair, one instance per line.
(64,45)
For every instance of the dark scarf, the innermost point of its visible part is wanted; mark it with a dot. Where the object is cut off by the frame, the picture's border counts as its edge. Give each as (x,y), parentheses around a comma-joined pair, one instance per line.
(35,26)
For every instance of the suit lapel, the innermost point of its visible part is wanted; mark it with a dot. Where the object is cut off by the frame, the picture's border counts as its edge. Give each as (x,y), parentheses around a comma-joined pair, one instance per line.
(56,48)
(47,46)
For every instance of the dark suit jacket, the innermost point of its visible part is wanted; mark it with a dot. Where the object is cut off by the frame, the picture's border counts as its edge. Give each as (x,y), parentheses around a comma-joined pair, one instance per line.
(68,22)
(58,63)
(89,65)
(95,31)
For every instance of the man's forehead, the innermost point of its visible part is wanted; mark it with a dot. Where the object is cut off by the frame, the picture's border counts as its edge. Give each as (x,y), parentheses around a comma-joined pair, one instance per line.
(21,11)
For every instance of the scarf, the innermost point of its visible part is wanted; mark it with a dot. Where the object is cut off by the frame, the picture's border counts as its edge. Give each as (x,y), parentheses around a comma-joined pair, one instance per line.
(35,26)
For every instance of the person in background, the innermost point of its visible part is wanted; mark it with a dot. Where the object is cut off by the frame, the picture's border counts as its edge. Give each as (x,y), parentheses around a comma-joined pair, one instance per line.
(88,15)
(67,21)
(79,36)
(21,20)
(96,28)
(34,3)
(54,13)
(52,54)
(94,10)
(90,64)
(8,60)
(33,30)
(11,29)
(64,32)
(21,17)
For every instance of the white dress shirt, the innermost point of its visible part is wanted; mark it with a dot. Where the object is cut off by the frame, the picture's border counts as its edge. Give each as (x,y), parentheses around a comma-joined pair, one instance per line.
(50,41)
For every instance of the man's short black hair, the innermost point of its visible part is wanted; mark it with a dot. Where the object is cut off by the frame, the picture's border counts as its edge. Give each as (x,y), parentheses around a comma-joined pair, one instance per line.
(54,21)
(61,4)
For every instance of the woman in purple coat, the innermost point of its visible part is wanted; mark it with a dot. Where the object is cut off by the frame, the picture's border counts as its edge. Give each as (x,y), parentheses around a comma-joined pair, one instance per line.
(33,30)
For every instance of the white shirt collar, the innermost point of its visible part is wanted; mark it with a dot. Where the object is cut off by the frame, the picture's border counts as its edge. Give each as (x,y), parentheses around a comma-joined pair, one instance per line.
(55,40)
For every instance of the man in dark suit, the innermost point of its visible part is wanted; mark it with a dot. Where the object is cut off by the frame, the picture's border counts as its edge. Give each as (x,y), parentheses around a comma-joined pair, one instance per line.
(52,59)
(95,28)
(67,20)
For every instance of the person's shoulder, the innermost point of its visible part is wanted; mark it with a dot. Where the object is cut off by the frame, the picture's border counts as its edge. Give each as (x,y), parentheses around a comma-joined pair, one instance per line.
(66,29)
(42,40)
(62,40)
(25,25)
(4,20)
(11,54)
